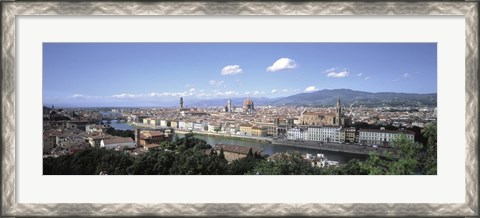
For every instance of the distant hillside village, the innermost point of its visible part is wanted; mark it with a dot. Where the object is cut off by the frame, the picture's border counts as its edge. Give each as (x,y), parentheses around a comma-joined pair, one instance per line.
(69,130)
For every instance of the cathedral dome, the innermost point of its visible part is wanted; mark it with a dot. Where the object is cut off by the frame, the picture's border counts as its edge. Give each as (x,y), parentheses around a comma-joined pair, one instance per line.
(248,106)
(247,102)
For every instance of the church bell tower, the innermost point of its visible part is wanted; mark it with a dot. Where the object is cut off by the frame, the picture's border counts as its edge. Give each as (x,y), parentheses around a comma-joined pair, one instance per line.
(338,116)
(181,103)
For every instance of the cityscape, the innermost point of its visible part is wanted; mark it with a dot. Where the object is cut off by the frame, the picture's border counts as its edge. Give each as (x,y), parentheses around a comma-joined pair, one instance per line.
(216,109)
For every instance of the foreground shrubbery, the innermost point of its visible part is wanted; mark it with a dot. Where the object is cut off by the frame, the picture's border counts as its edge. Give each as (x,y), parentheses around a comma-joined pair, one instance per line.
(190,156)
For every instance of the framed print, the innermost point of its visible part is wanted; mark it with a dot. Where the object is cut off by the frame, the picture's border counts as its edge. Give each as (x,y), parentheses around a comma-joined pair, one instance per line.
(240,108)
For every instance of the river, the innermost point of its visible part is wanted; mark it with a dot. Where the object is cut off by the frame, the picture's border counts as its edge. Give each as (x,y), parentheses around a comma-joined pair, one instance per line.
(119,125)
(273,148)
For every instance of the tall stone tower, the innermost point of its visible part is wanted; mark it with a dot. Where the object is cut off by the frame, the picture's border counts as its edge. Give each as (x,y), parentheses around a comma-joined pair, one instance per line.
(181,103)
(338,115)
(137,137)
(229,105)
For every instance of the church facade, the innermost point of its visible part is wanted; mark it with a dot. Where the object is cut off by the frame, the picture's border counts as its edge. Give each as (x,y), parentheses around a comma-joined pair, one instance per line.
(324,119)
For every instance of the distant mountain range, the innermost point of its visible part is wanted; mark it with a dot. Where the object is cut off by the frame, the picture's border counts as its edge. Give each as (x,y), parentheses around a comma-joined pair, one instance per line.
(328,97)
(325,97)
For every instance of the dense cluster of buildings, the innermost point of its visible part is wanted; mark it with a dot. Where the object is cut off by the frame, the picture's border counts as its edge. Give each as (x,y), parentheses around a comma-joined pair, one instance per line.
(339,134)
(74,133)
(327,125)
(70,130)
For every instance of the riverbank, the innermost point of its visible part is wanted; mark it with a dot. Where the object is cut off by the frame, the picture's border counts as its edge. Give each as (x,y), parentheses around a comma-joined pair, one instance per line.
(242,137)
(337,147)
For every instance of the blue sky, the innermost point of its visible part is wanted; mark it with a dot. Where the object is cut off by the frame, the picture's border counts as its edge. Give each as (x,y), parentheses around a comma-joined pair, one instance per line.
(106,74)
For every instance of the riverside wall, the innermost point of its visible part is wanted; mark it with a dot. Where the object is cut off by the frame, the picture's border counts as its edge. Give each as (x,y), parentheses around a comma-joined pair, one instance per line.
(337,147)
(242,137)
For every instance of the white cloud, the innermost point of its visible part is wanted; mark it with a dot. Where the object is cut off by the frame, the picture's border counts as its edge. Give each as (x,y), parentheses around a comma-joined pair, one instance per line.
(215,83)
(191,90)
(339,74)
(330,70)
(282,64)
(231,70)
(407,75)
(247,93)
(285,90)
(310,89)
(367,78)
(360,74)
(225,93)
(124,96)
(257,92)
(78,96)
(274,91)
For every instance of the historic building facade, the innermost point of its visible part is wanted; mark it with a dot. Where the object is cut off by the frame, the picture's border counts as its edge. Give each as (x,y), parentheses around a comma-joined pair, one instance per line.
(321,119)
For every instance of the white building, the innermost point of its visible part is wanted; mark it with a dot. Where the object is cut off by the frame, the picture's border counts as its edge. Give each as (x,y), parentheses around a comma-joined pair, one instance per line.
(213,126)
(146,121)
(154,122)
(164,123)
(324,133)
(382,137)
(199,127)
(117,143)
(181,125)
(188,125)
(297,134)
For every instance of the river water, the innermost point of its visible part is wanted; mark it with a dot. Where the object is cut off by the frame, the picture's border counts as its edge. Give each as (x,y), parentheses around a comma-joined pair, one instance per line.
(268,147)
(119,125)
(273,148)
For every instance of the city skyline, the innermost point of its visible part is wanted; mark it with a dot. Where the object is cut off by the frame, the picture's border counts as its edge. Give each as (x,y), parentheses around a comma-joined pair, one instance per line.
(139,74)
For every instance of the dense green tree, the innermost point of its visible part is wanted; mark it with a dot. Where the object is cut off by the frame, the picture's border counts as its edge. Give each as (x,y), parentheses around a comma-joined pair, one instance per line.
(171,146)
(197,162)
(404,159)
(88,162)
(250,153)
(352,167)
(243,166)
(114,163)
(429,161)
(291,164)
(153,162)
(121,133)
(221,155)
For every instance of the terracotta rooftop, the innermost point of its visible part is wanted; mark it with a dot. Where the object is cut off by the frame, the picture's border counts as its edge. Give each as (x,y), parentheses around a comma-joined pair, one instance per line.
(117,140)
(151,145)
(155,133)
(237,149)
